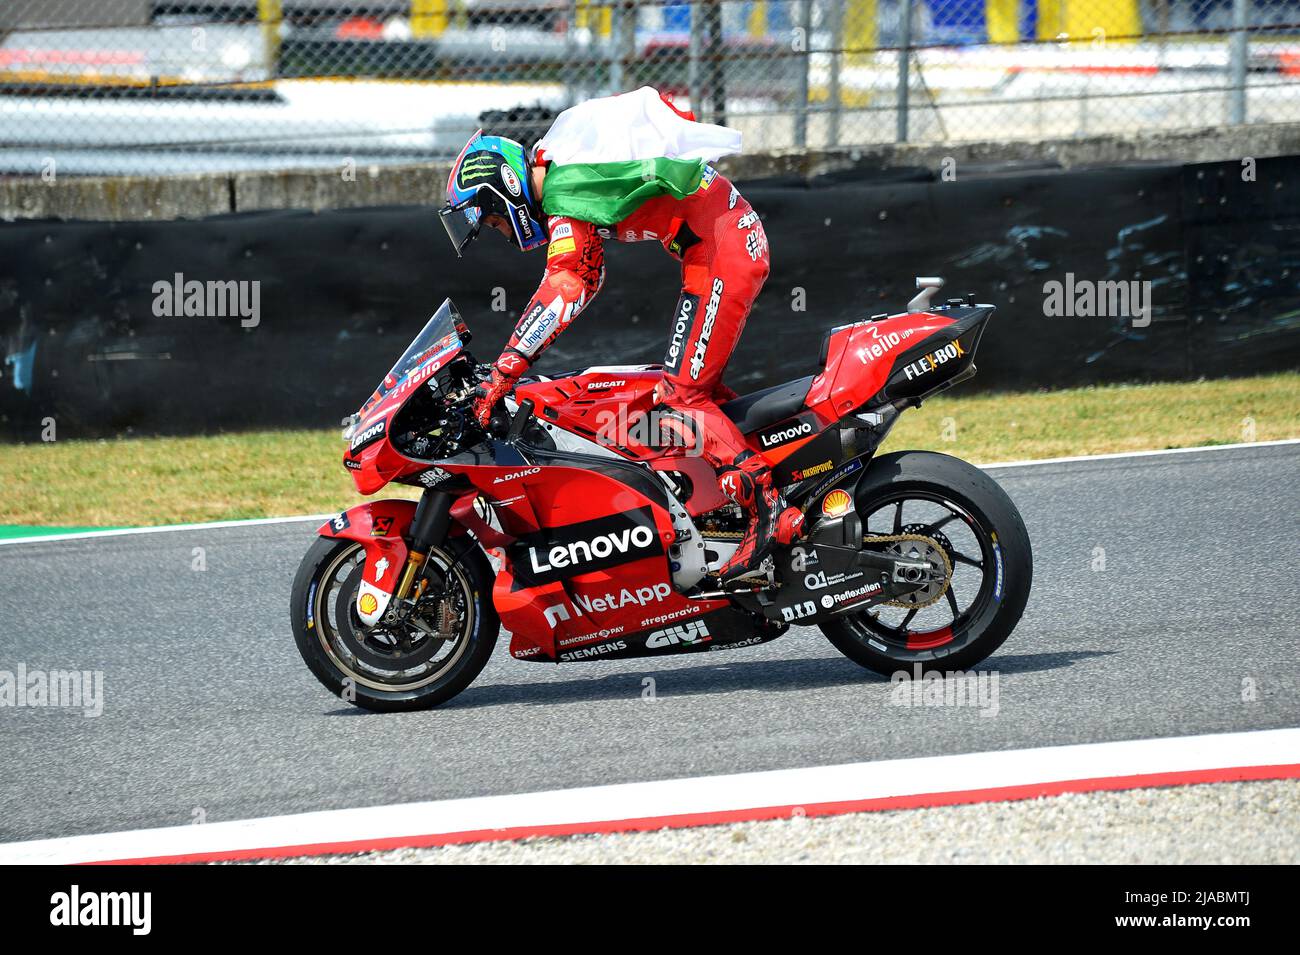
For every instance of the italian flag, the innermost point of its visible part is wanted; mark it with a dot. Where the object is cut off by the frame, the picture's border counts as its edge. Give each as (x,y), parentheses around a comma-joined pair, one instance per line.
(607,156)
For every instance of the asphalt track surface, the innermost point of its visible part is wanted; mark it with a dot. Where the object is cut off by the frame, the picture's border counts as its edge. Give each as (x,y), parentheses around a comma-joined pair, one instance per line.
(209,712)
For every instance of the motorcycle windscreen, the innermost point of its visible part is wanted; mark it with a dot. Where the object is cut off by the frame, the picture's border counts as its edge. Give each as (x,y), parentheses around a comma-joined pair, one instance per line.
(439,341)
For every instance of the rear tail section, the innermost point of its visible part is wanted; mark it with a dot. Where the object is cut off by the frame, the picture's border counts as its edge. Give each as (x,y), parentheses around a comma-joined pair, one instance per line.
(937,361)
(898,359)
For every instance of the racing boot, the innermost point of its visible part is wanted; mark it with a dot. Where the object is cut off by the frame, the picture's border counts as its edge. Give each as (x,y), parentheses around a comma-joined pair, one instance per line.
(748,482)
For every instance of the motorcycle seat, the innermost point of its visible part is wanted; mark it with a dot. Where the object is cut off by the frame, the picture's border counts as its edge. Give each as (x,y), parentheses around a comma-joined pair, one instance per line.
(761,408)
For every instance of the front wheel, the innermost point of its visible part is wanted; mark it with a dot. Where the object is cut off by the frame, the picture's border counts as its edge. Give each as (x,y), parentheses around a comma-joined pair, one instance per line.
(417,663)
(932,506)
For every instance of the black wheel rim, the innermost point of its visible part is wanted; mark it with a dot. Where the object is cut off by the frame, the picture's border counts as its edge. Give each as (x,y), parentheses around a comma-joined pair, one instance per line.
(946,625)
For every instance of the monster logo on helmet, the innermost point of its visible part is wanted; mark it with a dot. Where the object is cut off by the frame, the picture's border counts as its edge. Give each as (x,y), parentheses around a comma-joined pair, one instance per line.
(490,177)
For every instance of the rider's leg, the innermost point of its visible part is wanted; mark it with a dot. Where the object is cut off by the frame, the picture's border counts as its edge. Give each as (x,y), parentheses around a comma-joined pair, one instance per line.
(720,285)
(748,482)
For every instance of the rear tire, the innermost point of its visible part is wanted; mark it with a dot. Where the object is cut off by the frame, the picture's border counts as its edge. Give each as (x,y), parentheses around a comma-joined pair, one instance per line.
(349,660)
(1006,566)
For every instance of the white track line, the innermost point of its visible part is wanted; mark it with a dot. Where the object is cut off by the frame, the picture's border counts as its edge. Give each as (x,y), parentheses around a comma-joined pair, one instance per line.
(120,532)
(1117,455)
(702,800)
(202,526)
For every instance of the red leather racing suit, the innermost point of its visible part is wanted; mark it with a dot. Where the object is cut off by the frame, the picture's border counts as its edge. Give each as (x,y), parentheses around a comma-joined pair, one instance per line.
(720,242)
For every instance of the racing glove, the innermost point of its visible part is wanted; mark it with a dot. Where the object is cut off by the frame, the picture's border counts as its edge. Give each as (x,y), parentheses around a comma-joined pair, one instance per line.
(505,375)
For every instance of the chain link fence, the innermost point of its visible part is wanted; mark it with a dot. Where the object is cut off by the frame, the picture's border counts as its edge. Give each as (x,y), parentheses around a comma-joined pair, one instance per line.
(168,86)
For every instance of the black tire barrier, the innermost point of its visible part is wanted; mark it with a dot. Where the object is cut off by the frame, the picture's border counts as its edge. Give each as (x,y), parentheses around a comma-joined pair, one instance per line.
(340,293)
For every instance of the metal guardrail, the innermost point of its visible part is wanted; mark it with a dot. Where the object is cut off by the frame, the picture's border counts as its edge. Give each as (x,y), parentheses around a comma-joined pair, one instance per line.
(162,86)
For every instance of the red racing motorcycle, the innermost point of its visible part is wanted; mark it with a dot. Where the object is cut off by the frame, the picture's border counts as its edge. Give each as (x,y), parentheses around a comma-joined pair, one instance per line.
(584,521)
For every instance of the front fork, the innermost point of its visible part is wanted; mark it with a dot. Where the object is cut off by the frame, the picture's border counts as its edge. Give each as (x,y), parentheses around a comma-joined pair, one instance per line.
(397,537)
(428,528)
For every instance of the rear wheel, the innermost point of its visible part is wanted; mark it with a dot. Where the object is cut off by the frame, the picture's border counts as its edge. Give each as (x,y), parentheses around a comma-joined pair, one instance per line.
(938,508)
(428,658)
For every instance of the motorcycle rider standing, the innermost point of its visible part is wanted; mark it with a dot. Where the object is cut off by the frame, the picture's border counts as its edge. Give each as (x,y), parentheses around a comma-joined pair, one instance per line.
(634,168)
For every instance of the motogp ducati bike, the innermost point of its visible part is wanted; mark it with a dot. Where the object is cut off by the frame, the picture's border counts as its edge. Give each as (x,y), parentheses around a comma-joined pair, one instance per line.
(591,531)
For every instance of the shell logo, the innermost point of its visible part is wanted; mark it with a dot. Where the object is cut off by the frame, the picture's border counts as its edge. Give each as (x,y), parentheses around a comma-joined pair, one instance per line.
(836,503)
(368,604)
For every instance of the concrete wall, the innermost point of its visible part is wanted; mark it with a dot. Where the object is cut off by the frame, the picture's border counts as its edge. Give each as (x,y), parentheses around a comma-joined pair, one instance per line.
(193,197)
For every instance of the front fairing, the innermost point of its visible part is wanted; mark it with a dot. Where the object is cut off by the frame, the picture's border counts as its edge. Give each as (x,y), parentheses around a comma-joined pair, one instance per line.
(370,457)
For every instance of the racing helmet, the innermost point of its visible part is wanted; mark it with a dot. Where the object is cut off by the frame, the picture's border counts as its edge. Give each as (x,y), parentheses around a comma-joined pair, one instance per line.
(491,175)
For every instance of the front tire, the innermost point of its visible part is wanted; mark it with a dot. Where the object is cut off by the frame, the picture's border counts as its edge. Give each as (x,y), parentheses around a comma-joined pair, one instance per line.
(407,667)
(971,519)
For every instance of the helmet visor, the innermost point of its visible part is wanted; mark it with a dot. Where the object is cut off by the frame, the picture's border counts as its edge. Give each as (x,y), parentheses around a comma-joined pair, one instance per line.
(462,223)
